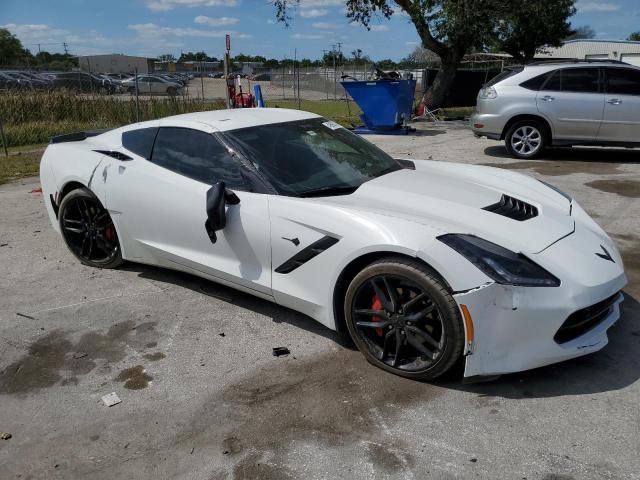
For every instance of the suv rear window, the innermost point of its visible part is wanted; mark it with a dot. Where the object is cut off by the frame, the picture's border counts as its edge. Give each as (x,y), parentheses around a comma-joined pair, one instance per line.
(536,83)
(503,76)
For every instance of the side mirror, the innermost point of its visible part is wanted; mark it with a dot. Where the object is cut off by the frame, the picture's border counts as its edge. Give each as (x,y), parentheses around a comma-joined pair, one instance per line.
(217,198)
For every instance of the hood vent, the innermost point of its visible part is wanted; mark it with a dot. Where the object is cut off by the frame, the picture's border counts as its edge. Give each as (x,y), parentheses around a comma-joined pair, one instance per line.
(513,208)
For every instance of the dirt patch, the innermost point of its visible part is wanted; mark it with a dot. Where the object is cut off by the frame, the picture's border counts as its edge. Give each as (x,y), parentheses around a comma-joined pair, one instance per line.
(625,188)
(560,167)
(55,354)
(333,400)
(154,357)
(134,378)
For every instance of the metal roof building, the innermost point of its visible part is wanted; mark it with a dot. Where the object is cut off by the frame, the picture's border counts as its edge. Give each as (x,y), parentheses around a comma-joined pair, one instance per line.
(115,63)
(623,50)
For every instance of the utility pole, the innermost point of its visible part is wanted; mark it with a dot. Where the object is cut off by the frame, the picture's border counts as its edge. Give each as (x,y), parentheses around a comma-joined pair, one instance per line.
(66,49)
(335,80)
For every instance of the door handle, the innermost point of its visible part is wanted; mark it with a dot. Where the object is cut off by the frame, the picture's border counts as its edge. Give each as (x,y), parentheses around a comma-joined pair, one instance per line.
(614,101)
(547,98)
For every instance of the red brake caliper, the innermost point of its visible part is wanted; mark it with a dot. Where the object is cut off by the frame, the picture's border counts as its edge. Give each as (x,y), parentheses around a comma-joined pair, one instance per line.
(110,233)
(376,305)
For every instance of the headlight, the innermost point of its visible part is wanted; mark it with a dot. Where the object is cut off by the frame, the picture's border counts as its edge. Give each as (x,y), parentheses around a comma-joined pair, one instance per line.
(498,263)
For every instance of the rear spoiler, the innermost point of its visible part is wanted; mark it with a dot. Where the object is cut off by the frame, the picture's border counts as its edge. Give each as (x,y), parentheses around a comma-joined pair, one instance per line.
(78,136)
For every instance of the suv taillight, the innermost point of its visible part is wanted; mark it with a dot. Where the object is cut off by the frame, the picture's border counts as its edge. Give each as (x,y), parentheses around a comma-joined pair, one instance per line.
(489,92)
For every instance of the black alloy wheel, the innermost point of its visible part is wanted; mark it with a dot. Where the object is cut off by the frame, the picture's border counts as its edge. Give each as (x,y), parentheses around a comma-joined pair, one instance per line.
(88,230)
(403,319)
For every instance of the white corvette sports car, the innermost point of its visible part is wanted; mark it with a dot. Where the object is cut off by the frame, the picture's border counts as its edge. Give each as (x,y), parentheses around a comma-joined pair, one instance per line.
(421,263)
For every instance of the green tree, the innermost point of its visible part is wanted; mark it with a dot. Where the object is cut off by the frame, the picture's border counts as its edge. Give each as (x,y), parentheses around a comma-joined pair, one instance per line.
(386,64)
(529,25)
(634,37)
(449,28)
(11,50)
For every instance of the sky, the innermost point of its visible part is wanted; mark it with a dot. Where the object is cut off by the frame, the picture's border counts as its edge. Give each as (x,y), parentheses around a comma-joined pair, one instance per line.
(154,27)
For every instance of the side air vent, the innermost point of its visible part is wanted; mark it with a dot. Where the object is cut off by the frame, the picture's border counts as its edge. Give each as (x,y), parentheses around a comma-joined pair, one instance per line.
(115,154)
(306,254)
(513,208)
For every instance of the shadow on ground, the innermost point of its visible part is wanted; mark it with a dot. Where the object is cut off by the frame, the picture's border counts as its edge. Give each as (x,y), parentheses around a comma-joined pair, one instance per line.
(613,368)
(607,155)
(277,313)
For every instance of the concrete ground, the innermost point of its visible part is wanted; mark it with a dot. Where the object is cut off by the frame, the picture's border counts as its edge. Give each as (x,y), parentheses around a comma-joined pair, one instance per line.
(203,397)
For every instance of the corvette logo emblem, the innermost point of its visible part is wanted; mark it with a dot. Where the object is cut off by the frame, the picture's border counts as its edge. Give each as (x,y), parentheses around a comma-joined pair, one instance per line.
(605,255)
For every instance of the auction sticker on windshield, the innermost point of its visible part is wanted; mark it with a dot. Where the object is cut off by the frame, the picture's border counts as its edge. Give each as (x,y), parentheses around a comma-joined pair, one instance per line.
(332,125)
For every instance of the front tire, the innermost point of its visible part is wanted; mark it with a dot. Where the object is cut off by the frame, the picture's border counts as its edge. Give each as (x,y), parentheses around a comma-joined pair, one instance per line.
(403,319)
(526,139)
(88,230)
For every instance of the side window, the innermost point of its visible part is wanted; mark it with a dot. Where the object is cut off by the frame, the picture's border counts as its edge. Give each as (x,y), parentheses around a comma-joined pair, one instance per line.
(140,141)
(582,80)
(553,82)
(536,83)
(197,155)
(623,81)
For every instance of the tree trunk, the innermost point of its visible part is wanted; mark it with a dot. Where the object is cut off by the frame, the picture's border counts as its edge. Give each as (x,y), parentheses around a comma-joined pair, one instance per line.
(441,86)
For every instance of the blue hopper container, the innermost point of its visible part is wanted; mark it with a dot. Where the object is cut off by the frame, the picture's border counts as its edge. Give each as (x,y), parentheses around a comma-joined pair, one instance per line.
(386,104)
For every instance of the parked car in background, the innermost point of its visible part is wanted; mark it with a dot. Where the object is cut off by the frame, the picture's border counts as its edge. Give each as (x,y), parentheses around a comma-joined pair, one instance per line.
(83,82)
(23,80)
(37,80)
(561,104)
(262,77)
(151,84)
(9,82)
(117,76)
(172,78)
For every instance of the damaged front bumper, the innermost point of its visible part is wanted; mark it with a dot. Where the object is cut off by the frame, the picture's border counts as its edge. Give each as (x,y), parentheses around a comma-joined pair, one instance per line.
(517,328)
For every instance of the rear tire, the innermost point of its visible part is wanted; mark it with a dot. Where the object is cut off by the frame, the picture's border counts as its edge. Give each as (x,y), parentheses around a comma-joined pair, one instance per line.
(88,230)
(526,139)
(421,334)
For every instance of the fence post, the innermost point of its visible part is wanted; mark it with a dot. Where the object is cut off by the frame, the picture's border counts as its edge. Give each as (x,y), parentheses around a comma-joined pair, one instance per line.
(137,104)
(283,73)
(202,79)
(299,86)
(4,140)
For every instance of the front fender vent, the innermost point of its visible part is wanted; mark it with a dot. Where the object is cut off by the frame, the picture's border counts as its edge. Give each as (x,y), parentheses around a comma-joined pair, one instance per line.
(306,254)
(513,208)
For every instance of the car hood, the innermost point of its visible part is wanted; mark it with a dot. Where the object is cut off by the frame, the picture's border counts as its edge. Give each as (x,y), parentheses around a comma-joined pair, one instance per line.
(451,198)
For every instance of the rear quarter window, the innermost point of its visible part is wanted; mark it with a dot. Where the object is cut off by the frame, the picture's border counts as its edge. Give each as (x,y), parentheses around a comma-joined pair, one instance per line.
(536,82)
(140,141)
(503,76)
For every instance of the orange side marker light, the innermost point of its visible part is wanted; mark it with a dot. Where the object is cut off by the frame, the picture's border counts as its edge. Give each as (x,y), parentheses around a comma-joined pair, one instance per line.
(468,323)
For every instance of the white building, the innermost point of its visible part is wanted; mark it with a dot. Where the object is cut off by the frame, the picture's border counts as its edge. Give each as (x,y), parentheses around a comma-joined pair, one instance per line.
(623,50)
(115,63)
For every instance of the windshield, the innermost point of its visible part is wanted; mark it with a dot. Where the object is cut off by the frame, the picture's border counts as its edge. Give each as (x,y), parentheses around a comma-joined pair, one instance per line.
(313,157)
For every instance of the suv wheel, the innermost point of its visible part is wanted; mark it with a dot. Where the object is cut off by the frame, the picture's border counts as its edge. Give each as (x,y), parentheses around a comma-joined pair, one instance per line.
(525,139)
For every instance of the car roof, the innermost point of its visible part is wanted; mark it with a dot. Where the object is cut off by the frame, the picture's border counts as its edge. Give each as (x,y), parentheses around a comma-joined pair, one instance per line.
(224,120)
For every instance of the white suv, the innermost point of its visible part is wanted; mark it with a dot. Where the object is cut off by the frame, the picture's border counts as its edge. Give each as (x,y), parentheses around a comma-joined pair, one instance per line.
(561,103)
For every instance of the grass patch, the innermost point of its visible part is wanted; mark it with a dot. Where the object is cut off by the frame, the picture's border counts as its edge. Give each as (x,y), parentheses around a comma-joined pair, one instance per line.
(456,112)
(337,110)
(33,117)
(19,165)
